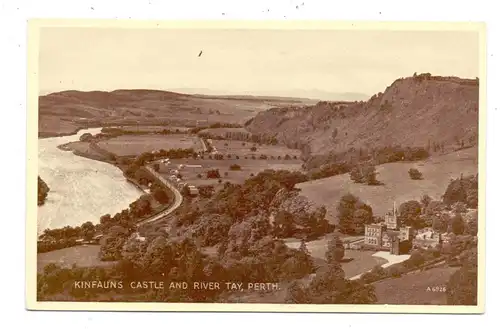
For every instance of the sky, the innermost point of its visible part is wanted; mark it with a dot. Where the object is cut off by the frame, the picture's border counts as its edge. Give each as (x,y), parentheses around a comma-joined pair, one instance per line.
(297,63)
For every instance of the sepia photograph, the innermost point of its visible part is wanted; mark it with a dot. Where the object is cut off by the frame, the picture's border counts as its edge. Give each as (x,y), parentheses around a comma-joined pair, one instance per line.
(233,166)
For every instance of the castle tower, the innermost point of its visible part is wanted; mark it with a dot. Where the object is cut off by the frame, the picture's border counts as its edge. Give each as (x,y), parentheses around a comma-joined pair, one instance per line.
(391,218)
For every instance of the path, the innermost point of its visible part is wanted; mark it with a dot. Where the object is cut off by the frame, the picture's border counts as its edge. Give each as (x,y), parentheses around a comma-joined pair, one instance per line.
(391,260)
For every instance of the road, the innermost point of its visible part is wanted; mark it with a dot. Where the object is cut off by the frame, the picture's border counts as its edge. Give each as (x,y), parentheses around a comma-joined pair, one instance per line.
(175,205)
(205,149)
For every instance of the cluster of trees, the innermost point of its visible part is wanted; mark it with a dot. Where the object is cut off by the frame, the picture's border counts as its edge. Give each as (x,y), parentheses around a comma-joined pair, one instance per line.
(463,189)
(59,238)
(238,259)
(213,174)
(43,191)
(353,215)
(364,174)
(249,203)
(309,226)
(439,216)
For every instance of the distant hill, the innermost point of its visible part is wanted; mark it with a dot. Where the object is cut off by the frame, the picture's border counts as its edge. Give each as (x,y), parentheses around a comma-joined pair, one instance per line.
(65,112)
(416,111)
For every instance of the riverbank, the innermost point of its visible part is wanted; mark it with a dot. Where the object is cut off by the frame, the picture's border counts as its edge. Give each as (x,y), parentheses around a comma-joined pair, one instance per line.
(158,207)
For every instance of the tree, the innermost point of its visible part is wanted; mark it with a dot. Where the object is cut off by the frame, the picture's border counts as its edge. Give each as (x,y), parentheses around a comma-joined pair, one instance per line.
(416,259)
(235,167)
(43,190)
(88,230)
(160,195)
(283,225)
(364,174)
(327,285)
(409,213)
(425,201)
(461,289)
(415,174)
(353,214)
(295,293)
(440,223)
(335,251)
(457,224)
(213,174)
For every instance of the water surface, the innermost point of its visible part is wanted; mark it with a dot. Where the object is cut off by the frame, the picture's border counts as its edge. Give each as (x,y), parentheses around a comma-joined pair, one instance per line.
(81,189)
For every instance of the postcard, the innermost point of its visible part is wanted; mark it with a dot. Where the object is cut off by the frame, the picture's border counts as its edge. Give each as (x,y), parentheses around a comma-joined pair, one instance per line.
(265,166)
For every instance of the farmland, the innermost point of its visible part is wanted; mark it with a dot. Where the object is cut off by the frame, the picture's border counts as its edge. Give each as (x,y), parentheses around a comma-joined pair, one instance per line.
(240,148)
(413,288)
(131,145)
(396,184)
(248,167)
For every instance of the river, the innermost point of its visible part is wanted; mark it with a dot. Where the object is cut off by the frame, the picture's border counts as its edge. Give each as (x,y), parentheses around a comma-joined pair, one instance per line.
(81,189)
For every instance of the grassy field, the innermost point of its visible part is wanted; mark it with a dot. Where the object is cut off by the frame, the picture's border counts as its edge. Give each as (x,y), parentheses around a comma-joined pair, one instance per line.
(243,149)
(128,145)
(248,167)
(413,288)
(355,261)
(83,256)
(397,185)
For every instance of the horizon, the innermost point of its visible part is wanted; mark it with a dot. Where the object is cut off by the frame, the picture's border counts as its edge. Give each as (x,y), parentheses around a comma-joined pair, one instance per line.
(312,64)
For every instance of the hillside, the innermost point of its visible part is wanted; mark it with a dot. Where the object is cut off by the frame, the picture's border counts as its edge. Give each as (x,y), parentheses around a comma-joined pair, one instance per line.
(62,113)
(416,111)
(397,186)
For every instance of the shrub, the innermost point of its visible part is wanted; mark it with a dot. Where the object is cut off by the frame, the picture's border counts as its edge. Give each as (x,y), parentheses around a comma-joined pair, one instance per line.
(235,167)
(253,149)
(213,174)
(415,174)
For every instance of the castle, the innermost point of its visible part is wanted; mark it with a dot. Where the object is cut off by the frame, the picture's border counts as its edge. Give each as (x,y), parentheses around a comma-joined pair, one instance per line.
(388,235)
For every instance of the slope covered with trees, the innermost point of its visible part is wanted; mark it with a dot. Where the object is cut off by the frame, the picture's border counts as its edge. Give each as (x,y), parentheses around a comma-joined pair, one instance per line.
(412,112)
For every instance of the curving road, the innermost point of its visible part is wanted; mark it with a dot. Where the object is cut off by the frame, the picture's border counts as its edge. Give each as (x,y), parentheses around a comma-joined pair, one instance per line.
(177,198)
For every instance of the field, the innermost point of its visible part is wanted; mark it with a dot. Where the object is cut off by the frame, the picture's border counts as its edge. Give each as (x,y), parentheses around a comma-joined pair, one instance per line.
(223,131)
(397,185)
(355,261)
(413,288)
(83,256)
(240,148)
(248,167)
(132,145)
